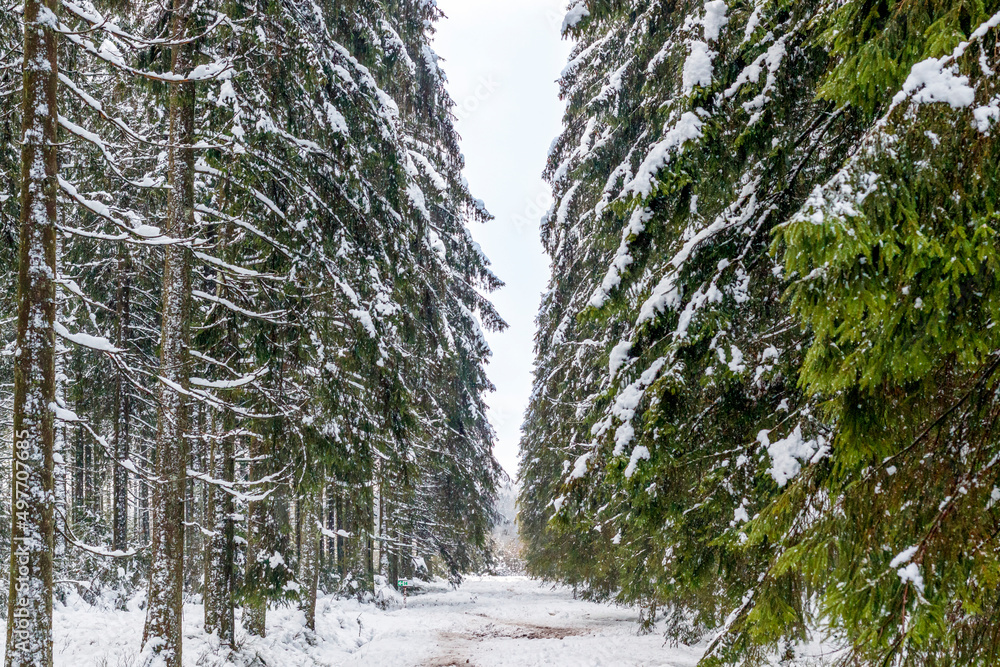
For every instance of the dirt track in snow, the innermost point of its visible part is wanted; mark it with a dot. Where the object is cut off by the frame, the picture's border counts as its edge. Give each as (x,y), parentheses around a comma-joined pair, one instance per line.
(513,622)
(455,646)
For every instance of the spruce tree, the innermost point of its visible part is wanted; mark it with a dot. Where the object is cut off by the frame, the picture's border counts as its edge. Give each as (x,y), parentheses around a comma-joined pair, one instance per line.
(268,299)
(163,634)
(665,353)
(892,263)
(704,442)
(29,604)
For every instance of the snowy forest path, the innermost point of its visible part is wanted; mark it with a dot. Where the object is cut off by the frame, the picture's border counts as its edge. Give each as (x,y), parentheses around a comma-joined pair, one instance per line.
(512,622)
(487,622)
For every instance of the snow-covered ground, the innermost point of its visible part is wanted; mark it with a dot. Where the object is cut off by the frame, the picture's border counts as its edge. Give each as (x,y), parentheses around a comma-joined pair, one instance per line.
(513,622)
(488,622)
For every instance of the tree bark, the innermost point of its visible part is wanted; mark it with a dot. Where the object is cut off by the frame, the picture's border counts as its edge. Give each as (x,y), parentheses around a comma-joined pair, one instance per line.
(142,527)
(122,409)
(309,559)
(346,550)
(332,524)
(162,637)
(29,607)
(219,554)
(255,609)
(78,515)
(378,534)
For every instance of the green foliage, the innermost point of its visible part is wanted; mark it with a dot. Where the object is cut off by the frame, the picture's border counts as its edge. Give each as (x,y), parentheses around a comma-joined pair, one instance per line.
(765,450)
(895,269)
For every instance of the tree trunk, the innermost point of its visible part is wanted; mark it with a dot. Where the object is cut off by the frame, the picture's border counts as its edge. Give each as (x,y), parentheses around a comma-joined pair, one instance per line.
(378,545)
(142,527)
(219,554)
(309,559)
(122,410)
(340,524)
(211,586)
(29,607)
(79,479)
(332,524)
(255,610)
(162,637)
(195,496)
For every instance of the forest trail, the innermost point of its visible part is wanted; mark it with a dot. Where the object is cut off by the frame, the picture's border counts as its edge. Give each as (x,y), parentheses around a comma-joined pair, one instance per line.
(487,622)
(512,622)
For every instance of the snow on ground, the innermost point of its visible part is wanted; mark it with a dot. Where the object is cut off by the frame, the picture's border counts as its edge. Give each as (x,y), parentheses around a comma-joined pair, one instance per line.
(487,622)
(513,622)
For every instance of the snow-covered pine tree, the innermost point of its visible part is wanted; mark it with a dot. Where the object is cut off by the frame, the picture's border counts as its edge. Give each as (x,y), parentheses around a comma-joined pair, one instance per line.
(894,271)
(670,456)
(110,270)
(666,358)
(325,353)
(450,512)
(354,289)
(163,633)
(386,450)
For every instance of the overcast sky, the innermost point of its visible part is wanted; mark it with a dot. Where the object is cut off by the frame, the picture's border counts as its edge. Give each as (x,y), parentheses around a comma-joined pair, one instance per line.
(502,59)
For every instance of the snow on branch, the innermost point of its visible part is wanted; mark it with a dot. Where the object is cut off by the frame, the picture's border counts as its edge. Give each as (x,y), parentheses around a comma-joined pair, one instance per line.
(99,23)
(96,140)
(96,343)
(148,234)
(110,54)
(226,303)
(229,384)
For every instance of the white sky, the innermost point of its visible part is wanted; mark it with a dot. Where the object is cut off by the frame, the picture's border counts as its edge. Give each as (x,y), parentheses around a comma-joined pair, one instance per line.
(502,58)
